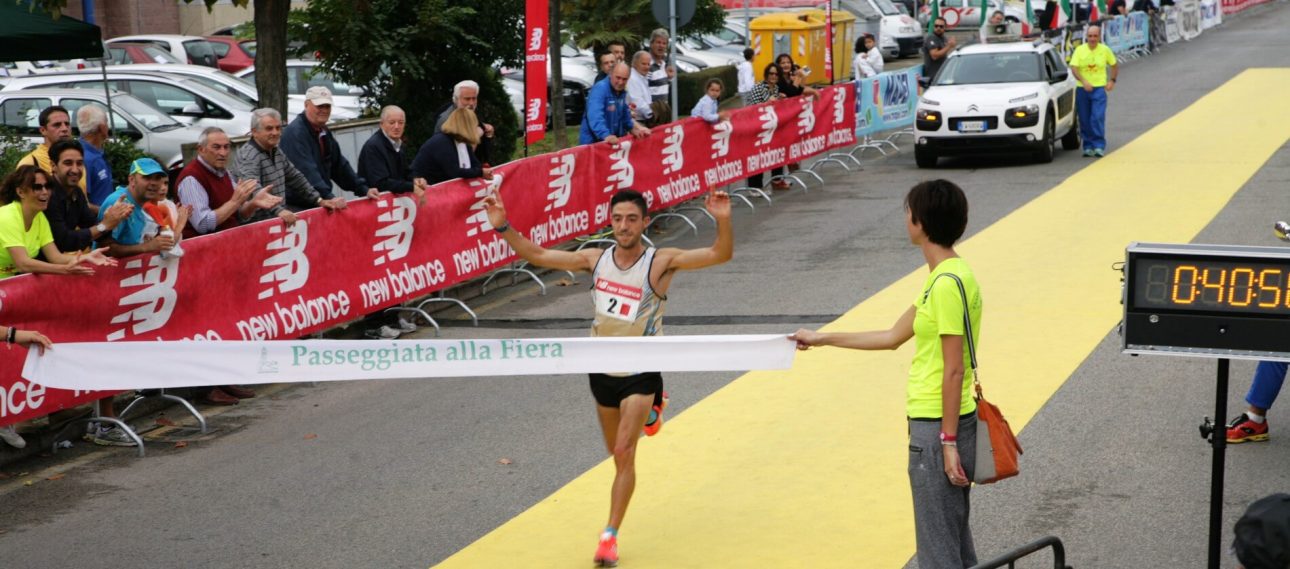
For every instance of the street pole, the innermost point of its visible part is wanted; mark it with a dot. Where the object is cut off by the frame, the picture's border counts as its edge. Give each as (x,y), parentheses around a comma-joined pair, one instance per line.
(557,79)
(671,56)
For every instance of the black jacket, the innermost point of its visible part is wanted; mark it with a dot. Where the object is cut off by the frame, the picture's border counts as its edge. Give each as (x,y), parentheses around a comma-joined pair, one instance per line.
(437,161)
(485,149)
(383,167)
(70,219)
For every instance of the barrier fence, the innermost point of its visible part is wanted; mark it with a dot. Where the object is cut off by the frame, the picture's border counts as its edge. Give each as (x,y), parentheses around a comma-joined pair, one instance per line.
(267,281)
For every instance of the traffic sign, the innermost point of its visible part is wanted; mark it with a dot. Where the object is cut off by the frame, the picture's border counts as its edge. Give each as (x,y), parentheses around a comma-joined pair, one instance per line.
(684,11)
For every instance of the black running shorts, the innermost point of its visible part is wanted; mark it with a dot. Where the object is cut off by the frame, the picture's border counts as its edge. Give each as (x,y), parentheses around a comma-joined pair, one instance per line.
(609,391)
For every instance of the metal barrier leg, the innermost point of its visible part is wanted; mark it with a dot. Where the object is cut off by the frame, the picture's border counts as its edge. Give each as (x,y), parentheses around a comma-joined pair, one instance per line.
(514,272)
(832,158)
(812,172)
(791,178)
(700,210)
(738,193)
(670,214)
(161,394)
(416,311)
(442,298)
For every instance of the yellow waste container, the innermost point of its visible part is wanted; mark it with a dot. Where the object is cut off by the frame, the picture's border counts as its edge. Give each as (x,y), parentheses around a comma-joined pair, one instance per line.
(844,41)
(793,33)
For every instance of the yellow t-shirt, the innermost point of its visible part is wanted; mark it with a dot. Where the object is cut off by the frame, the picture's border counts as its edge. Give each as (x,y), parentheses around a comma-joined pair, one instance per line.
(40,158)
(1092,63)
(939,312)
(14,233)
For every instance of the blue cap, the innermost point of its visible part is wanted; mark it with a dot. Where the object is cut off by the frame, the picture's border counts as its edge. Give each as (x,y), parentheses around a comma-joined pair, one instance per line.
(146,167)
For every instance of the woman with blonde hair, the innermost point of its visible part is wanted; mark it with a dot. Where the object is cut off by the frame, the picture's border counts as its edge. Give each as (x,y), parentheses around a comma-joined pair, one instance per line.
(450,154)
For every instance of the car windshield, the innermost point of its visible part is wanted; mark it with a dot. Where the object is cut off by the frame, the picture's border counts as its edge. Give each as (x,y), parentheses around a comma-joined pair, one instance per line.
(861,9)
(888,9)
(980,68)
(151,118)
(216,96)
(227,85)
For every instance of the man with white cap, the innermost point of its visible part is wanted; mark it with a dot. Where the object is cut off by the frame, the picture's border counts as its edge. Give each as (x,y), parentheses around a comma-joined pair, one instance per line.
(313,150)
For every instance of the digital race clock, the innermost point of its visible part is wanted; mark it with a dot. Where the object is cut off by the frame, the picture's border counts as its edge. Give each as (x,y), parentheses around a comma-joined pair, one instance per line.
(1207,300)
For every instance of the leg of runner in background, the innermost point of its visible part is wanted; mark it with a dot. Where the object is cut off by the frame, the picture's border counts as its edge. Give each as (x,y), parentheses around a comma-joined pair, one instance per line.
(1252,425)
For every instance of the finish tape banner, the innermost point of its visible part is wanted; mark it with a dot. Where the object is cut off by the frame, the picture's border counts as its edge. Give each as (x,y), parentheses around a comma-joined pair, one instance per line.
(266,281)
(887,101)
(134,365)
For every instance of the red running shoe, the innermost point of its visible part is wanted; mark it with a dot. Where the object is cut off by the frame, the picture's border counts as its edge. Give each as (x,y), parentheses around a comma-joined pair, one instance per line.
(652,429)
(1243,430)
(607,551)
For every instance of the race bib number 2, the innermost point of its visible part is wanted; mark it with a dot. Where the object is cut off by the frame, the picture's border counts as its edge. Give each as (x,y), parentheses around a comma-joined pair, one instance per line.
(617,301)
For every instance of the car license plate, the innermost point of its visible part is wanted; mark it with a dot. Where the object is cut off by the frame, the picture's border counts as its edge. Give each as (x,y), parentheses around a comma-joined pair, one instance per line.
(971,126)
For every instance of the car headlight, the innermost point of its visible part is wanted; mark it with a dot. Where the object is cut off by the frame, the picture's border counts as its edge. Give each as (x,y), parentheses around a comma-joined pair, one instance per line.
(1024,116)
(927,119)
(1025,98)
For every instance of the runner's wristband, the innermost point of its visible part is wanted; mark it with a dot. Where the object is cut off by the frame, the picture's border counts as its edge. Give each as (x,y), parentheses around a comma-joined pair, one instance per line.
(503,228)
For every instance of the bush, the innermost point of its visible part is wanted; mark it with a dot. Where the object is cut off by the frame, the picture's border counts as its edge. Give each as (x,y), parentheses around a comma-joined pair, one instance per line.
(690,86)
(119,153)
(12,148)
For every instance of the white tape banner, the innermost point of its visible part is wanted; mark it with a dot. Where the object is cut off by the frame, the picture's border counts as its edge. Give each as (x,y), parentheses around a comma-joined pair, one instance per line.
(96,366)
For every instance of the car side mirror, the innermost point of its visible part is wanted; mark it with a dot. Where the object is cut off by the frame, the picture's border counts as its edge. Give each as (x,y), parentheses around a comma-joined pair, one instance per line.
(1060,76)
(192,109)
(130,133)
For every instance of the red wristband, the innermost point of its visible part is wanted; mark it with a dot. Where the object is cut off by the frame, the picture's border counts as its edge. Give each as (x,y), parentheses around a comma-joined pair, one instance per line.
(948,438)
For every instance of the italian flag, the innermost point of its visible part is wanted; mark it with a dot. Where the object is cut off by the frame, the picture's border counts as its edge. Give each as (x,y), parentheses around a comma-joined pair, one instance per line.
(1096,9)
(1058,18)
(936,13)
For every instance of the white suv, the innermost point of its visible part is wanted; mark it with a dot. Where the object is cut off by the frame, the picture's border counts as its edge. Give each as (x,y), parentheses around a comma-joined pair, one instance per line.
(991,98)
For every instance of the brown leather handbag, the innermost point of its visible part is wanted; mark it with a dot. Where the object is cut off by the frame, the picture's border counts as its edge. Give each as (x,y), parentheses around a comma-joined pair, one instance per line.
(997,449)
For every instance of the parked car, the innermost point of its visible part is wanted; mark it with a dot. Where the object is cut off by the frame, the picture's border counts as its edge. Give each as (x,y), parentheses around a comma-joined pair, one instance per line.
(153,131)
(184,99)
(120,53)
(233,55)
(898,35)
(992,98)
(190,49)
(574,93)
(303,74)
(230,85)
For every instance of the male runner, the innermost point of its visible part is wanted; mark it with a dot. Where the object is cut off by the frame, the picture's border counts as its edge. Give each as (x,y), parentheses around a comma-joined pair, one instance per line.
(629,292)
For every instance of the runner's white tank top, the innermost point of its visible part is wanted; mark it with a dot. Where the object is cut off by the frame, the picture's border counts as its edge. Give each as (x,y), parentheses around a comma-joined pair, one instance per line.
(625,301)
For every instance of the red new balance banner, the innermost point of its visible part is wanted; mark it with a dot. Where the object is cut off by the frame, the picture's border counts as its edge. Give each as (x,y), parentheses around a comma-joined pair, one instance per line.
(267,281)
(536,13)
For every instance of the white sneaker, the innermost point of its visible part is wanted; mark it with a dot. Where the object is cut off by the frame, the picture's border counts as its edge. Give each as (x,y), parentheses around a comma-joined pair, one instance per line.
(383,333)
(407,325)
(10,435)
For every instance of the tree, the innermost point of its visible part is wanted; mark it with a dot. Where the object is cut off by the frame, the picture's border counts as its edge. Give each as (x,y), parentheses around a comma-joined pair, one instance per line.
(594,23)
(271,44)
(410,53)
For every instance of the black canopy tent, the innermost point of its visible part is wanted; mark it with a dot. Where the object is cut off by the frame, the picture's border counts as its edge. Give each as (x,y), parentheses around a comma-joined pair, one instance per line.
(27,35)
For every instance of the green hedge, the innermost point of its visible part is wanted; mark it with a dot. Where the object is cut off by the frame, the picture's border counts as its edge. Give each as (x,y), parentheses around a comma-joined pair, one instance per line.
(690,86)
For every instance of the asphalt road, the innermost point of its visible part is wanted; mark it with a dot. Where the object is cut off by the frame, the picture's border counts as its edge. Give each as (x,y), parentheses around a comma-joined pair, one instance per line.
(405,473)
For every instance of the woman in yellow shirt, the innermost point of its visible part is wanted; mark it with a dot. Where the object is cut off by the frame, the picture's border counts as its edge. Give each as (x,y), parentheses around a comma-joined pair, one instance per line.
(25,233)
(939,404)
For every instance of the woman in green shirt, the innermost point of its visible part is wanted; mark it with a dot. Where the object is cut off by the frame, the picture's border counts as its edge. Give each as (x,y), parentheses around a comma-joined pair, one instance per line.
(939,404)
(25,233)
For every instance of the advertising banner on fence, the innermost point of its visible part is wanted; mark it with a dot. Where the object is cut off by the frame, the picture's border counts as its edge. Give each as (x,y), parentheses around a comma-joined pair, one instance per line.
(1173,24)
(1114,34)
(1234,6)
(536,48)
(1211,14)
(133,365)
(1137,31)
(267,281)
(887,101)
(1189,19)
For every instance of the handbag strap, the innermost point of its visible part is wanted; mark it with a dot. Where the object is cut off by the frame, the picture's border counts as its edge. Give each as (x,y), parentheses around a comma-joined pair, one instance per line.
(967,326)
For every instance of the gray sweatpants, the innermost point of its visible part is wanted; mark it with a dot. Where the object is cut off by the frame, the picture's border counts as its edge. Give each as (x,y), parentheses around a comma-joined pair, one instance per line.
(941,509)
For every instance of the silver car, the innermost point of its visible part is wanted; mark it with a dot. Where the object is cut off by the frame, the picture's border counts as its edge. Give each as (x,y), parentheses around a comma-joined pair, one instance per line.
(185,100)
(230,85)
(153,131)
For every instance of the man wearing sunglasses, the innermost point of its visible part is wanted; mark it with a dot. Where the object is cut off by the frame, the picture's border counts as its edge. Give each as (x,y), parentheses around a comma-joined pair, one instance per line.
(935,47)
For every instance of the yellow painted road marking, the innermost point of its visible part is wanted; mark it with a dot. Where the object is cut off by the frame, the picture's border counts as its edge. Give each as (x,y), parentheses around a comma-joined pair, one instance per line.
(806,468)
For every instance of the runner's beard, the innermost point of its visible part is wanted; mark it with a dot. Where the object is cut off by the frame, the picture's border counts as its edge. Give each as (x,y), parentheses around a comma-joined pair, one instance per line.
(628,241)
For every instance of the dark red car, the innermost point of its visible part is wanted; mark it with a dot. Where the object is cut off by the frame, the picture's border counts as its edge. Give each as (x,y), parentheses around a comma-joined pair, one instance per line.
(124,53)
(233,53)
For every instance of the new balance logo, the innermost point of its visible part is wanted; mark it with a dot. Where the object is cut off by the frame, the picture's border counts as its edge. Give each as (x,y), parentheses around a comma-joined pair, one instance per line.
(769,122)
(621,173)
(153,304)
(535,110)
(289,266)
(673,158)
(398,215)
(478,218)
(721,139)
(806,119)
(535,43)
(839,106)
(561,184)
